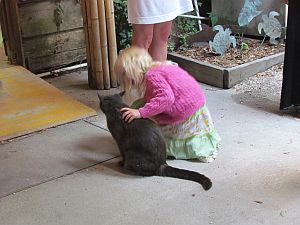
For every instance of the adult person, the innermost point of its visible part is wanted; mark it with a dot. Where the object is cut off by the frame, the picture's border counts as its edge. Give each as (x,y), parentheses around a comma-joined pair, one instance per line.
(152,23)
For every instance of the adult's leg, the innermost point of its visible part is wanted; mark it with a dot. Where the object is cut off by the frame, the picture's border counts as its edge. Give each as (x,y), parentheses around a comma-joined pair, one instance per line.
(142,35)
(158,47)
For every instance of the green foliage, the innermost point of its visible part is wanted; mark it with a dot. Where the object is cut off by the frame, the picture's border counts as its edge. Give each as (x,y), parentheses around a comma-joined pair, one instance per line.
(171,46)
(183,27)
(123,28)
(244,46)
(213,18)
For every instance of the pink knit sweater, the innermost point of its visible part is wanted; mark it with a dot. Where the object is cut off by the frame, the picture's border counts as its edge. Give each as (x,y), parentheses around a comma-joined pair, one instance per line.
(172,95)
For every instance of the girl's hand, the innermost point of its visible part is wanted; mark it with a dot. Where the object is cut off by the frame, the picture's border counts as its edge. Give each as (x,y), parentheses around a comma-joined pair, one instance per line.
(130,114)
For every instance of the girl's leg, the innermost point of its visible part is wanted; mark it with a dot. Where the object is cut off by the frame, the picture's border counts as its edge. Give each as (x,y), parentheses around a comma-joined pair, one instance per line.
(142,35)
(158,48)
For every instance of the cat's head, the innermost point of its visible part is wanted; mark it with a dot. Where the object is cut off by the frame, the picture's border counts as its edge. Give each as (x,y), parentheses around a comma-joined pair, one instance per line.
(109,103)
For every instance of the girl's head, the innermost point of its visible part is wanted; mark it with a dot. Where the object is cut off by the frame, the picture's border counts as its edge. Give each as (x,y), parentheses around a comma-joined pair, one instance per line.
(130,67)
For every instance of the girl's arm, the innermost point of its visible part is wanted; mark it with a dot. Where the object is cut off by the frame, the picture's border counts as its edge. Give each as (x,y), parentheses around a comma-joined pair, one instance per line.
(130,114)
(162,96)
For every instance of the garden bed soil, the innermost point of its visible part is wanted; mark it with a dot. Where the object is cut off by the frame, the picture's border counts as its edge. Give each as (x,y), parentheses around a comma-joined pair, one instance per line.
(230,69)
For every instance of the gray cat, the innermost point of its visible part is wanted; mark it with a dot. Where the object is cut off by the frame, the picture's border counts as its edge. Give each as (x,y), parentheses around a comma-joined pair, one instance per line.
(142,145)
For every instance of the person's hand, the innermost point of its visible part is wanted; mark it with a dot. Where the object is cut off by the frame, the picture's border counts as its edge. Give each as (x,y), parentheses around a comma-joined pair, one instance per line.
(286,2)
(130,114)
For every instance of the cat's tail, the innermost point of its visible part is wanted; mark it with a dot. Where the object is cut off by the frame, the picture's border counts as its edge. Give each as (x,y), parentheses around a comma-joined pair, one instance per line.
(169,171)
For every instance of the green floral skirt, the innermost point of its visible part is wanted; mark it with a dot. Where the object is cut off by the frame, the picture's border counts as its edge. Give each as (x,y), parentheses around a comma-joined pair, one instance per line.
(194,138)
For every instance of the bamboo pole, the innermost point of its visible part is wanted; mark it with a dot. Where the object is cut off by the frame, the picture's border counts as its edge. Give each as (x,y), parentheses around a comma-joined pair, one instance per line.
(98,20)
(87,42)
(91,72)
(95,33)
(112,45)
(103,43)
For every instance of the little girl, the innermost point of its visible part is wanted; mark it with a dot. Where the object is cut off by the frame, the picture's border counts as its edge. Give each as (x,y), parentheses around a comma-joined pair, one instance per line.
(172,98)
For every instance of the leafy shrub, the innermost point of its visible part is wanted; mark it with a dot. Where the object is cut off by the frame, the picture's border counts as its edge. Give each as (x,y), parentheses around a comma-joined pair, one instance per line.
(123,28)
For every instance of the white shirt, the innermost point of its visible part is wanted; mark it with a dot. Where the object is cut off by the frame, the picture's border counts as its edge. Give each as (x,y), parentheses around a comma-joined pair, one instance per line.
(156,11)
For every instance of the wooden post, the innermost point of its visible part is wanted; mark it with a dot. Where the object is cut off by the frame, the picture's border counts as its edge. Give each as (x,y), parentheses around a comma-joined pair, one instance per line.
(15,29)
(4,26)
(10,38)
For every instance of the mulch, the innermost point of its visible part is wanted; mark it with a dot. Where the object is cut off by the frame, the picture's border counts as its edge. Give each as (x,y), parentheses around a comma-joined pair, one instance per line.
(234,56)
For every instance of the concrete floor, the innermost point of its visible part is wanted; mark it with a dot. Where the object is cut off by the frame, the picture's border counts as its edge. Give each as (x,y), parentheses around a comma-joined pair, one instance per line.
(68,175)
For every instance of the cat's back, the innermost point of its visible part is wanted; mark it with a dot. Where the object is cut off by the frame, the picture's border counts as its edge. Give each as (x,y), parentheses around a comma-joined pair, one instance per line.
(144,137)
(143,126)
(143,132)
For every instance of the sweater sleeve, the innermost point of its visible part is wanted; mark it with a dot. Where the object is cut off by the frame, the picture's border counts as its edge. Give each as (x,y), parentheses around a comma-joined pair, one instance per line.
(161,96)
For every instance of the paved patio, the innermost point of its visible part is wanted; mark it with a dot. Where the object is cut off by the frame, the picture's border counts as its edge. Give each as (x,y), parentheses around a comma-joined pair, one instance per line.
(68,175)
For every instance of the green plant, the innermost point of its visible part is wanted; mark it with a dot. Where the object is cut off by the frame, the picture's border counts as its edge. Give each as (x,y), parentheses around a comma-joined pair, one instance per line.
(183,27)
(213,18)
(171,46)
(123,28)
(244,46)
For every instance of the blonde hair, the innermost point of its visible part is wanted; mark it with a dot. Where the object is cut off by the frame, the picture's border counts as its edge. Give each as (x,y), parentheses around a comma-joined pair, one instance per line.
(130,67)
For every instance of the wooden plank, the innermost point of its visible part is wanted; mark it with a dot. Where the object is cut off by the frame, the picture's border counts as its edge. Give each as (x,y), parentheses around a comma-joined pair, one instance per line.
(235,75)
(32,104)
(225,77)
(203,72)
(38,18)
(54,43)
(56,60)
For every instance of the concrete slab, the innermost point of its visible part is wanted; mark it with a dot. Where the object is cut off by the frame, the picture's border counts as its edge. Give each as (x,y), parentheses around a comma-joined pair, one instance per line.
(53,153)
(255,176)
(99,121)
(76,85)
(104,195)
(256,131)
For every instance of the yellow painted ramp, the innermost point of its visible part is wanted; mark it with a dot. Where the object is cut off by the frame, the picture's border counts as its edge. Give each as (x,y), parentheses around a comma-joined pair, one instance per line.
(28,104)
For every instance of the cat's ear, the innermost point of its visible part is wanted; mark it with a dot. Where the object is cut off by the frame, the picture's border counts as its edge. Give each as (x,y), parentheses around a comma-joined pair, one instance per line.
(122,93)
